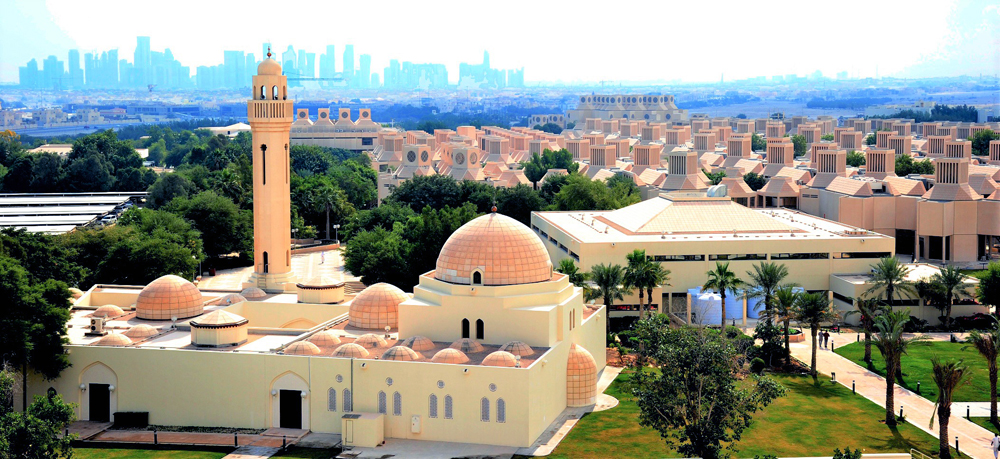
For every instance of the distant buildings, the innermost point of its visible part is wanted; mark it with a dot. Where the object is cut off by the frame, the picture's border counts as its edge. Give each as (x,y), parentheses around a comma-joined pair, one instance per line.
(482,76)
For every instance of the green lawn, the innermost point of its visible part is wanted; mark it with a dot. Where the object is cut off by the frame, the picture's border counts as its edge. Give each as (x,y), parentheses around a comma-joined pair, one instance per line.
(985,423)
(811,420)
(102,453)
(917,367)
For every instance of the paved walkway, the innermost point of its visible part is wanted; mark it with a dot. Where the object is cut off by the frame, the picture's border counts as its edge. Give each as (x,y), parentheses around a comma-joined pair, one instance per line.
(328,263)
(252,452)
(973,440)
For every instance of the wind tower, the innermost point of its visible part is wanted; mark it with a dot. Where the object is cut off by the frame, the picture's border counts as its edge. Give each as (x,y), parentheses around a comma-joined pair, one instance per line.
(270,115)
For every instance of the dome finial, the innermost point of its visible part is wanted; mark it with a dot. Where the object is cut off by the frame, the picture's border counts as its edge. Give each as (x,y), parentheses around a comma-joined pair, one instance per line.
(493,209)
(268,51)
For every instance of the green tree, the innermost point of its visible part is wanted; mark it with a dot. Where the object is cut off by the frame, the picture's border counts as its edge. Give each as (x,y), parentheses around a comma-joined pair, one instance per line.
(783,310)
(715,178)
(870,139)
(723,280)
(40,255)
(827,137)
(855,159)
(889,274)
(906,166)
(754,180)
(436,191)
(867,309)
(981,141)
(47,174)
(638,274)
(167,187)
(377,256)
(224,227)
(551,128)
(534,169)
(948,376)
(758,142)
(37,432)
(988,290)
(610,284)
(383,216)
(426,234)
(987,343)
(799,143)
(696,401)
(765,279)
(122,254)
(319,201)
(33,318)
(952,283)
(519,202)
(576,277)
(891,342)
(814,309)
(581,193)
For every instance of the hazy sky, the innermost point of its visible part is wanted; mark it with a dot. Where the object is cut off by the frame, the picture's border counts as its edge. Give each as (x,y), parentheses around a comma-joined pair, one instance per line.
(569,41)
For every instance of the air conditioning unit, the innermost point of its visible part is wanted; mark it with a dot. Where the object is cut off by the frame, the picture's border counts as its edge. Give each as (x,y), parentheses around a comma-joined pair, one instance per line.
(97,327)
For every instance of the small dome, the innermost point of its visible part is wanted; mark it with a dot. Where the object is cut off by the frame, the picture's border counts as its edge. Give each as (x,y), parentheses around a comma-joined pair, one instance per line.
(141,331)
(467,345)
(108,310)
(376,307)
(113,339)
(581,377)
(302,348)
(231,298)
(219,319)
(350,350)
(500,359)
(253,293)
(401,353)
(325,338)
(370,341)
(269,67)
(418,343)
(517,348)
(75,293)
(320,282)
(168,297)
(450,355)
(493,249)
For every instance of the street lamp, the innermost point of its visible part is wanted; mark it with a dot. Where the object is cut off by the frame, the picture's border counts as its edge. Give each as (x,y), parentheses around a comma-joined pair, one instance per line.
(336,232)
(194,257)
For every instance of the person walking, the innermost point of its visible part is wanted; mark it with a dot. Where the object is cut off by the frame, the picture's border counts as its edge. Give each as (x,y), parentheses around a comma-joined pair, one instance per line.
(322,257)
(995,446)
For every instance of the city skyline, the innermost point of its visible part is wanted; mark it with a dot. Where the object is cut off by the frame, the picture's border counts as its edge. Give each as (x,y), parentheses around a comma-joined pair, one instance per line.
(962,42)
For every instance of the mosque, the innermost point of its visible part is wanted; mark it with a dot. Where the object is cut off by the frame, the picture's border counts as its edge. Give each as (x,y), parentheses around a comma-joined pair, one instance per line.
(491,347)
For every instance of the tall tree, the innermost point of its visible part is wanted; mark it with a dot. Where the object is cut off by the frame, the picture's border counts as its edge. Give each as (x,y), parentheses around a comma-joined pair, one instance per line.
(952,283)
(890,275)
(534,169)
(638,274)
(988,290)
(890,341)
(37,432)
(987,343)
(576,277)
(867,309)
(723,280)
(814,309)
(610,282)
(783,310)
(659,277)
(948,376)
(224,227)
(765,279)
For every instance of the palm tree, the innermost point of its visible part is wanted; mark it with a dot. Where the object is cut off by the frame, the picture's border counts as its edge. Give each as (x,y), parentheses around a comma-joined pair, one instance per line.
(893,345)
(765,279)
(890,274)
(988,345)
(867,308)
(722,279)
(948,377)
(988,292)
(659,276)
(610,281)
(637,276)
(813,309)
(952,282)
(783,309)
(576,277)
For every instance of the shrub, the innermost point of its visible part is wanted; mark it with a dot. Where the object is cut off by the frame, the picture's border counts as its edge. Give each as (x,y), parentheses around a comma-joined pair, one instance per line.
(915,325)
(847,454)
(757,365)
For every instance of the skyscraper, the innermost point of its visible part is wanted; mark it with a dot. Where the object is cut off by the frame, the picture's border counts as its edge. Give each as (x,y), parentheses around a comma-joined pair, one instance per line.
(141,61)
(365,74)
(348,71)
(90,69)
(328,63)
(52,73)
(28,75)
(234,63)
(75,71)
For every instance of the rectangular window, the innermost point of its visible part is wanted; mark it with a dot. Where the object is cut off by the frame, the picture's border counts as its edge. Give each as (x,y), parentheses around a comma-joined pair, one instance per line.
(800,256)
(575,256)
(870,255)
(738,256)
(553,240)
(544,234)
(564,249)
(366,141)
(663,258)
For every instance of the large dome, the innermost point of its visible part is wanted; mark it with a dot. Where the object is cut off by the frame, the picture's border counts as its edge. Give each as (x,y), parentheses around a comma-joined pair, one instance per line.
(376,307)
(493,250)
(168,297)
(269,67)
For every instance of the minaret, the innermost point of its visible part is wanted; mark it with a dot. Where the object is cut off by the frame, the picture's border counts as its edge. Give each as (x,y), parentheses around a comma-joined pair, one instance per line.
(270,115)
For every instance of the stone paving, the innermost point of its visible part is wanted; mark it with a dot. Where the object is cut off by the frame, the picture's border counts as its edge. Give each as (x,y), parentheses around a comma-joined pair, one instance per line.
(329,263)
(973,440)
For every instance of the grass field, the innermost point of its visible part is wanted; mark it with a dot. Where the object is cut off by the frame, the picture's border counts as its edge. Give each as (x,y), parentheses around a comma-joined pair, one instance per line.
(917,367)
(811,420)
(986,424)
(102,453)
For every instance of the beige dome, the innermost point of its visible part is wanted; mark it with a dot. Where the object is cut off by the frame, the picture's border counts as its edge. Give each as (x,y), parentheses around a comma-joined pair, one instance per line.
(450,355)
(269,67)
(75,293)
(141,331)
(500,359)
(401,353)
(253,293)
(320,282)
(302,348)
(370,341)
(418,343)
(325,338)
(113,339)
(231,298)
(517,348)
(350,350)
(167,297)
(581,377)
(501,250)
(467,345)
(219,319)
(108,310)
(376,307)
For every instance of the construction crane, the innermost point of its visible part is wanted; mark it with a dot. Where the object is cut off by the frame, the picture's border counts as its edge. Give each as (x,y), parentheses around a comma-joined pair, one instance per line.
(151,86)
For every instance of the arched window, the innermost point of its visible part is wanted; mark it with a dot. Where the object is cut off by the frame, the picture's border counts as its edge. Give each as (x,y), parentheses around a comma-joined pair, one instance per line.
(348,401)
(477,278)
(465,328)
(432,406)
(397,404)
(381,402)
(263,93)
(480,329)
(501,410)
(484,410)
(265,262)
(284,93)
(448,407)
(274,92)
(331,399)
(263,162)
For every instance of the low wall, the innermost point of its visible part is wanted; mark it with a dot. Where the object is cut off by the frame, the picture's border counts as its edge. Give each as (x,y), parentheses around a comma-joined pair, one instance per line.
(316,248)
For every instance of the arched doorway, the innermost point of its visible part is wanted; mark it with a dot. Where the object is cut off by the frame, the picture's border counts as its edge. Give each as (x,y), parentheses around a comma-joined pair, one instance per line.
(99,400)
(289,402)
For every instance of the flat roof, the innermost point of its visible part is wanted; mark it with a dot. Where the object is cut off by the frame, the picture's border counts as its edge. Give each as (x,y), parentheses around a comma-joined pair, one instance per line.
(674,218)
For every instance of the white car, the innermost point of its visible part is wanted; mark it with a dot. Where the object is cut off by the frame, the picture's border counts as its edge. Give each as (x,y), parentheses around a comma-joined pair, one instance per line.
(109,219)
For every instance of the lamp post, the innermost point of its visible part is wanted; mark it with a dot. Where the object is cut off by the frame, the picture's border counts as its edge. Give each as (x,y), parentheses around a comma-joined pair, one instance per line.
(336,232)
